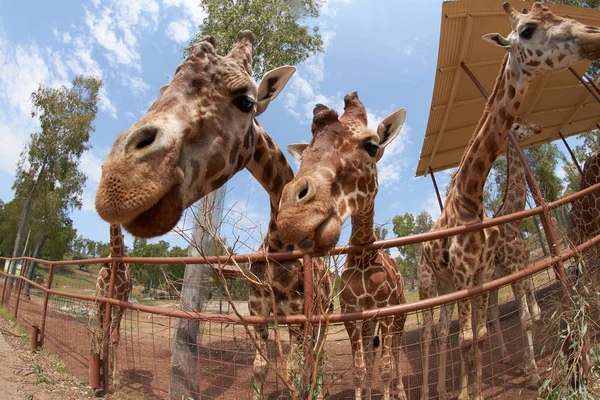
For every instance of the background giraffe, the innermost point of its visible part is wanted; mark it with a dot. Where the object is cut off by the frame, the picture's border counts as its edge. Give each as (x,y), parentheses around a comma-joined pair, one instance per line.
(194,138)
(338,178)
(121,291)
(540,42)
(584,217)
(512,252)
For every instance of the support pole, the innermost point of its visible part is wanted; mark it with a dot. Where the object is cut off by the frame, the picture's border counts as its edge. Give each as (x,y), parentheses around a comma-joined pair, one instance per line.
(572,155)
(437,191)
(23,266)
(592,83)
(474,79)
(586,84)
(34,331)
(45,309)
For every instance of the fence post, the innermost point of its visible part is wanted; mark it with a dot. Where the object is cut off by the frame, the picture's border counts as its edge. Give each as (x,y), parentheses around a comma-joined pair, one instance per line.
(107,322)
(5,283)
(45,309)
(23,266)
(308,310)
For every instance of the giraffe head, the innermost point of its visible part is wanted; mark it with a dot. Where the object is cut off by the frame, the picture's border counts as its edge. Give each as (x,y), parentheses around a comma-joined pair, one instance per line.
(337,175)
(192,140)
(542,42)
(523,130)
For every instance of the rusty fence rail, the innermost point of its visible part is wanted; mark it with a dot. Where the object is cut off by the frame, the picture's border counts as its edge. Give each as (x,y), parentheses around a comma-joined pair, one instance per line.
(63,320)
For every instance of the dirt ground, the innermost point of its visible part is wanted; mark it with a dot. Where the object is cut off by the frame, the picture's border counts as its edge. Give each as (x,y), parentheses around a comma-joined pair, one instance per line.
(25,375)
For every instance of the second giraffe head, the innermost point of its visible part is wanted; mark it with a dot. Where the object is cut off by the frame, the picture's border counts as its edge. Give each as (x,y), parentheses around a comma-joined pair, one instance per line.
(337,176)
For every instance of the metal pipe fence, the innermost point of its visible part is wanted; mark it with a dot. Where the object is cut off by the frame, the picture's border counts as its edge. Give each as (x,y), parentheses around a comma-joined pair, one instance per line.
(66,319)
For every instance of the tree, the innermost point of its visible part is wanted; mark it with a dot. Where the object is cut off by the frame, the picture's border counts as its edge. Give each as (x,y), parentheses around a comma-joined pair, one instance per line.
(406,225)
(281,38)
(582,152)
(381,234)
(49,163)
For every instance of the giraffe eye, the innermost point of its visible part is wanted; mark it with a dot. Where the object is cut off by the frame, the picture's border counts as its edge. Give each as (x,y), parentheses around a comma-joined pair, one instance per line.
(516,128)
(371,148)
(244,103)
(527,33)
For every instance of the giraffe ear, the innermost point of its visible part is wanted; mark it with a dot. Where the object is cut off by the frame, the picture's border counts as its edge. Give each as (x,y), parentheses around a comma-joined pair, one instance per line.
(390,127)
(497,40)
(296,150)
(271,85)
(163,88)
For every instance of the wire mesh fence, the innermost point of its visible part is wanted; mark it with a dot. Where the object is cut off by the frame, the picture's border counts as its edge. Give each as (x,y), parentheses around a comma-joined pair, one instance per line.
(221,353)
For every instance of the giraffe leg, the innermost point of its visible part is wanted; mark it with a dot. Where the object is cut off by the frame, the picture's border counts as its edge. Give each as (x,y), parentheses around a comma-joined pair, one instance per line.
(354,329)
(260,367)
(427,289)
(534,308)
(444,333)
(494,317)
(465,341)
(368,332)
(115,335)
(480,305)
(293,360)
(526,326)
(387,366)
(399,321)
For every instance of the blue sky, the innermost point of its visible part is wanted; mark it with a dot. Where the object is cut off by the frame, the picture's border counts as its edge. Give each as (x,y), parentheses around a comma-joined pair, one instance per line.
(385,50)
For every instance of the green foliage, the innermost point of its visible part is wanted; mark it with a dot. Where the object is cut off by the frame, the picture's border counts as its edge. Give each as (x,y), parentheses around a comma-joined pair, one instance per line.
(281,37)
(48,183)
(155,276)
(406,225)
(381,234)
(582,152)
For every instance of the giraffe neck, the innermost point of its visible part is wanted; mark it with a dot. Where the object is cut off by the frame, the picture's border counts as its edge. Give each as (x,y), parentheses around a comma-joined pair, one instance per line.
(362,227)
(117,242)
(515,194)
(271,169)
(489,137)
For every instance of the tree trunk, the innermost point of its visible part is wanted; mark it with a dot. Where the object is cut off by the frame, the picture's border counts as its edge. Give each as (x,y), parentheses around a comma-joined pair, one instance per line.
(20,231)
(24,218)
(30,271)
(541,238)
(185,372)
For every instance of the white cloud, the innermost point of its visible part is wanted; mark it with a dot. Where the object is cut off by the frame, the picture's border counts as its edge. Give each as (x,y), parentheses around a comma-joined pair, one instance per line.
(138,86)
(105,104)
(179,31)
(391,165)
(330,7)
(190,8)
(91,166)
(115,28)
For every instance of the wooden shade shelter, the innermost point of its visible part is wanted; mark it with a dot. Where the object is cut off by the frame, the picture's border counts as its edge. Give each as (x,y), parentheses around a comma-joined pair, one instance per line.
(562,103)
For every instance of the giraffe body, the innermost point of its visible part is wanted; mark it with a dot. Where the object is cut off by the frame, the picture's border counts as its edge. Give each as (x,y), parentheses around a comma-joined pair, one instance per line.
(338,178)
(121,291)
(584,217)
(512,252)
(540,42)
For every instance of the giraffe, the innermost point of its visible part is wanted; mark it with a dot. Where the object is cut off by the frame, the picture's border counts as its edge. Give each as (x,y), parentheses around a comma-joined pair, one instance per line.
(337,179)
(512,252)
(583,222)
(198,134)
(121,291)
(540,42)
